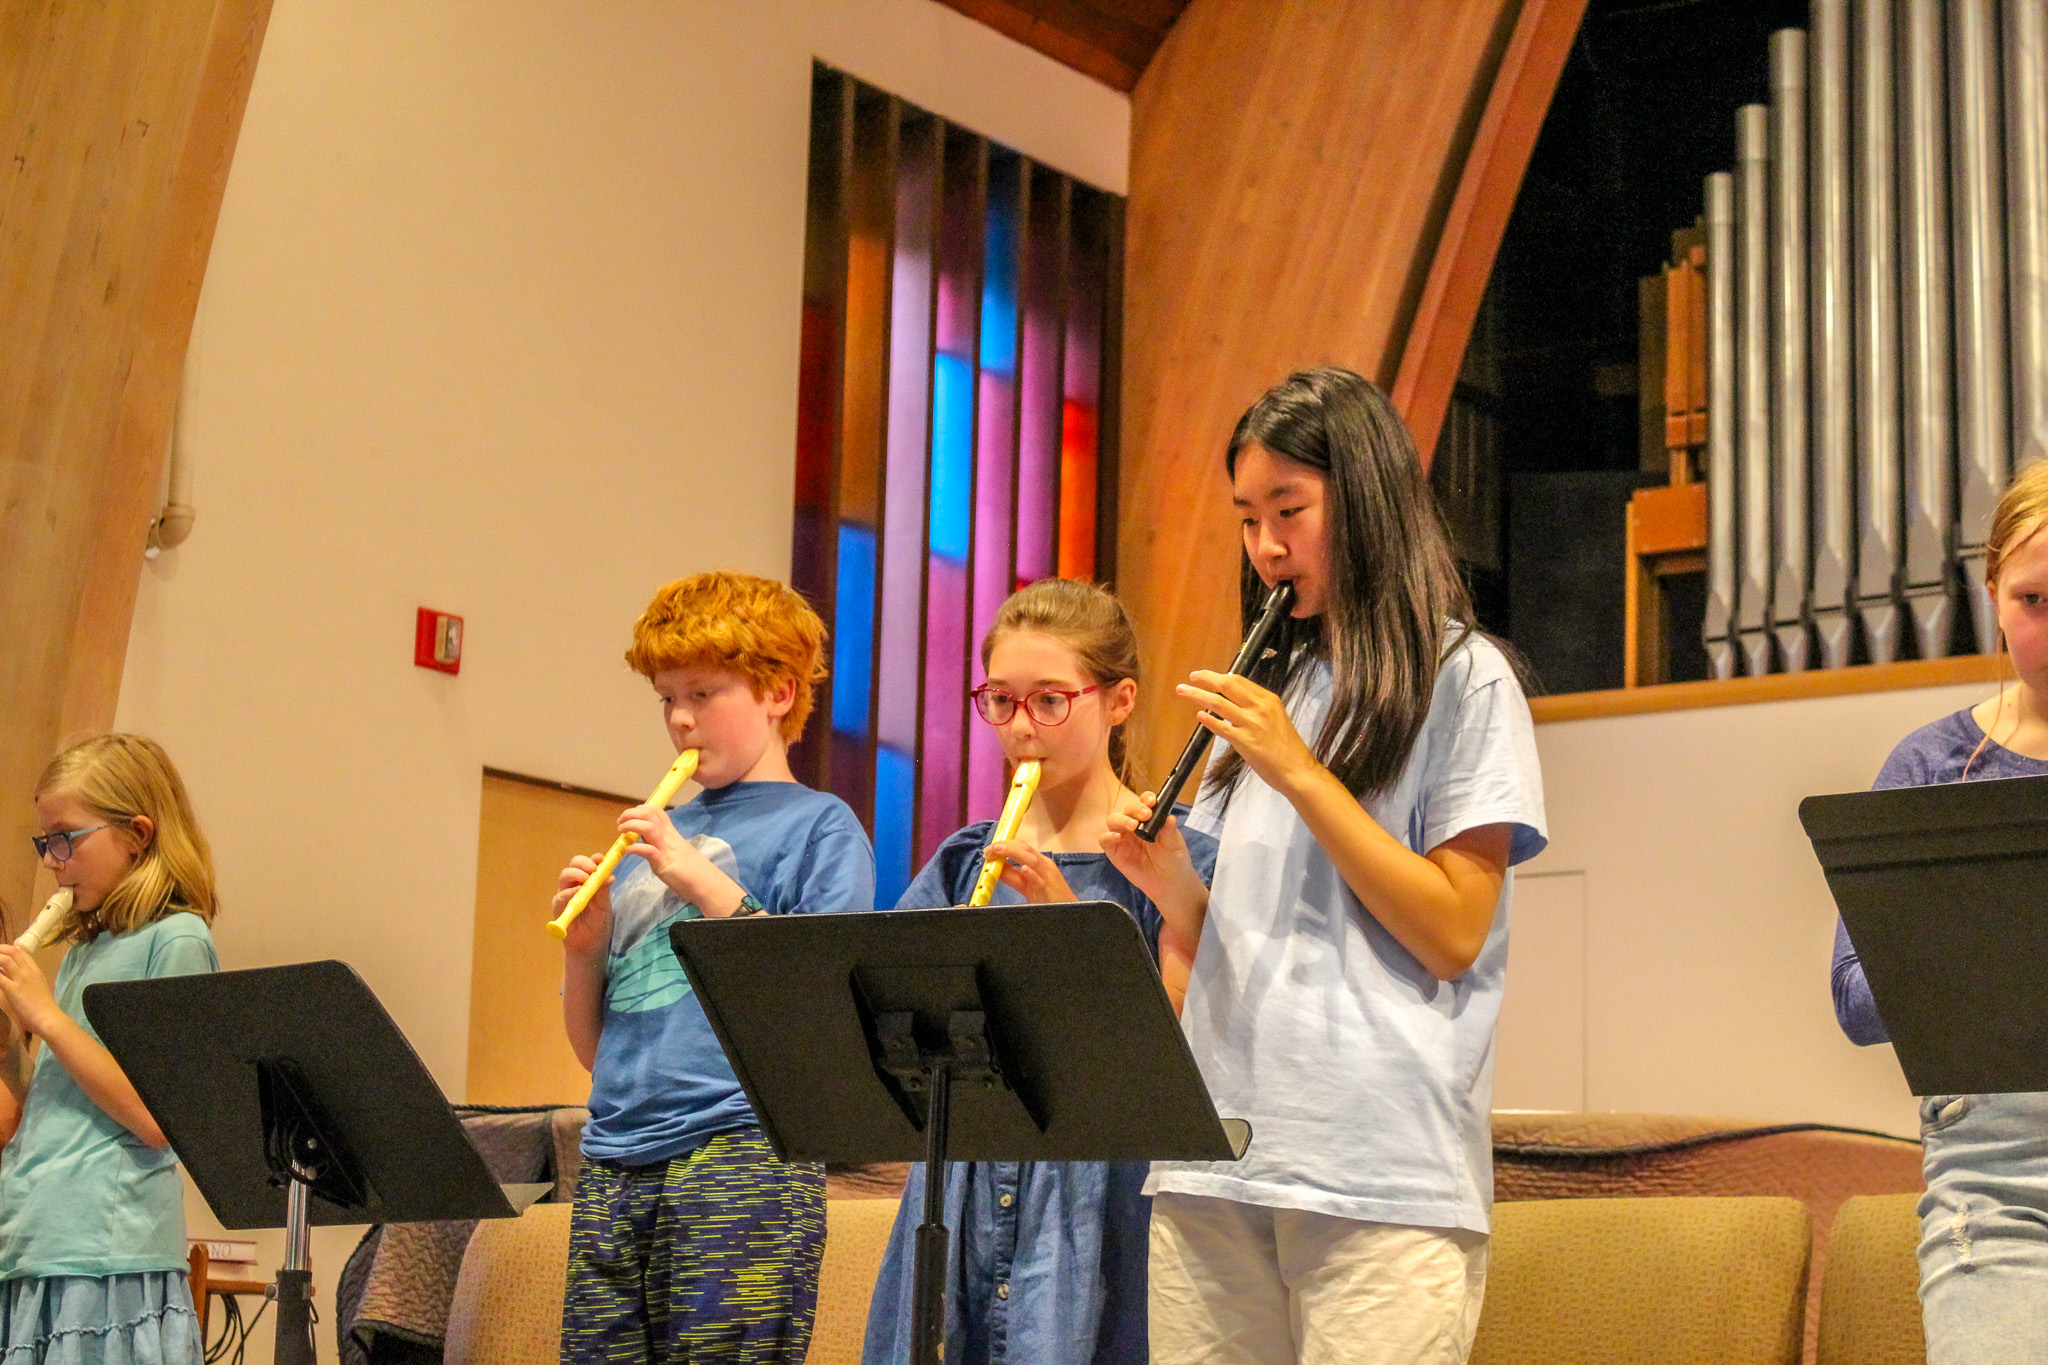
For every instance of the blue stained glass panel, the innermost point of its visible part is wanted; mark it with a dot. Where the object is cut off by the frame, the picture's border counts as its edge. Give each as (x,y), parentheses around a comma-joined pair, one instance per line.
(853,630)
(952,505)
(895,790)
(999,288)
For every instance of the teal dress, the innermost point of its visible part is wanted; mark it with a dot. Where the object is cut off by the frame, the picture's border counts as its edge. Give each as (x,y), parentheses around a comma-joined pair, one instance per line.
(92,1219)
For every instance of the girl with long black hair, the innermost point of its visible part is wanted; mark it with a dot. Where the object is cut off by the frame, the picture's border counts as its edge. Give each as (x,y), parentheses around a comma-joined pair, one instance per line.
(1380,782)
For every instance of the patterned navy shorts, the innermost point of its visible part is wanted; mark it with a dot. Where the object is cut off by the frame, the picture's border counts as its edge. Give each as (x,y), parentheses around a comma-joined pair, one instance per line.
(710,1257)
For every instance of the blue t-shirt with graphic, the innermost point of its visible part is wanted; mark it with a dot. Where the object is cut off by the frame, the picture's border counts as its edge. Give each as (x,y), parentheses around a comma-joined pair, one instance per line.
(661,1085)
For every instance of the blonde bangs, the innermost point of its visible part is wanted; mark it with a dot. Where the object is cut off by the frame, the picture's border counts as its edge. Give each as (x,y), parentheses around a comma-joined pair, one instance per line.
(2020,516)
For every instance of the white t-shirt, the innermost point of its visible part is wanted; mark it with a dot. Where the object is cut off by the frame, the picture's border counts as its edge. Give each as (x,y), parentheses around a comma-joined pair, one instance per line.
(1368,1082)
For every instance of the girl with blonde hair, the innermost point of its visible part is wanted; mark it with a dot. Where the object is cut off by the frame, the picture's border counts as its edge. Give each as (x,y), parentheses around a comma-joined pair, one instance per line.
(92,1224)
(1984,1218)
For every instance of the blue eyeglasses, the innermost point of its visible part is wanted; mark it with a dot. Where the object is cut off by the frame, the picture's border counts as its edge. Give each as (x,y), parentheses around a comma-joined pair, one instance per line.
(60,844)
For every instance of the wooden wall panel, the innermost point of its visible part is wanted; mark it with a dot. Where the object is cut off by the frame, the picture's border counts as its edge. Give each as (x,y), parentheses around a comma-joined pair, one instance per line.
(1293,163)
(117,124)
(527,832)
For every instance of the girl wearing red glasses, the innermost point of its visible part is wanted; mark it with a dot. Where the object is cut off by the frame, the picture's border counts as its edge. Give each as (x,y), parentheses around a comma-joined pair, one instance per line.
(1048,1258)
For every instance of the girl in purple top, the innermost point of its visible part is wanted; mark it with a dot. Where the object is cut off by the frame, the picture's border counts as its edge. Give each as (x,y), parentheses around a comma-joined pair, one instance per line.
(1984,1218)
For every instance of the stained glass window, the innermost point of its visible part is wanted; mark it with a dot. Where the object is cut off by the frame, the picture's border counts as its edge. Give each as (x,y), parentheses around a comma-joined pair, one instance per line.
(957,440)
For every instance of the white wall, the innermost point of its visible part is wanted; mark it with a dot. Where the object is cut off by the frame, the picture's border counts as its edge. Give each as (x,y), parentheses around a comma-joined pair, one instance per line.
(1674,957)
(501,318)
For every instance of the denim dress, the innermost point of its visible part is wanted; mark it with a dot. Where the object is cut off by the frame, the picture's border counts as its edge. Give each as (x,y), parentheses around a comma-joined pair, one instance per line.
(1047,1259)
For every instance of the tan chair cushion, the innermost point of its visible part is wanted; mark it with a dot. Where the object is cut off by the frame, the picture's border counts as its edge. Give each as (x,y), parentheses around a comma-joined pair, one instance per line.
(507,1308)
(1870,1308)
(1657,1281)
(856,1234)
(1587,1156)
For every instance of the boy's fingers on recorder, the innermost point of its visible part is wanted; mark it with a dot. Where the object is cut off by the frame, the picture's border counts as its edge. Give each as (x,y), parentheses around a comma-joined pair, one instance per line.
(574,875)
(649,824)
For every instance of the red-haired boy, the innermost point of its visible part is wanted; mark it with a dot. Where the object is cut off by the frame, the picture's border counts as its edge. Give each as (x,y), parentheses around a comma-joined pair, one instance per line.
(690,1241)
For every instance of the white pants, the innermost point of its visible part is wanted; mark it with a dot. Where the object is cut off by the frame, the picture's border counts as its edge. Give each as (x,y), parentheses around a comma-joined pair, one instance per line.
(1239,1284)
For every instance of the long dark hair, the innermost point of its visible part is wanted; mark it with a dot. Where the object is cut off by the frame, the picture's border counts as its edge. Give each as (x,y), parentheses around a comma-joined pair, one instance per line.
(1397,603)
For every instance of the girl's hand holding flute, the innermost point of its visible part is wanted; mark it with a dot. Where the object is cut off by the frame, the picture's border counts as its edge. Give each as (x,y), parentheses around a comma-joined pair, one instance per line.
(1030,873)
(1254,721)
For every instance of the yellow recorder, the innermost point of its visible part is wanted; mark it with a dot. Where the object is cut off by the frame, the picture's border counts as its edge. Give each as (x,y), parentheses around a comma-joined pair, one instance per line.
(1023,787)
(681,771)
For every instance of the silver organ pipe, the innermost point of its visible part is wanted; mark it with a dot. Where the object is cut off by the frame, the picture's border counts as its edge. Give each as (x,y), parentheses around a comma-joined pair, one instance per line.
(1924,326)
(1880,478)
(1721,623)
(1831,328)
(1791,459)
(2026,189)
(1754,483)
(1976,193)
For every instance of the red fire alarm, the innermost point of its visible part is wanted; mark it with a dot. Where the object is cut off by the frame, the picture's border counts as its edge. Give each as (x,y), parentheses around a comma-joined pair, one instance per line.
(437,641)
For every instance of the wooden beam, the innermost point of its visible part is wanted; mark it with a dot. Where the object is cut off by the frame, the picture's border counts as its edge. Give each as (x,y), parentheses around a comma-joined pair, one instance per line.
(117,127)
(1827,682)
(1488,186)
(1292,165)
(1089,42)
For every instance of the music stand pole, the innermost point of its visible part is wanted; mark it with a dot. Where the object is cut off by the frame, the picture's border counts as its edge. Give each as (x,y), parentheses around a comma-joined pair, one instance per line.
(295,1278)
(934,1243)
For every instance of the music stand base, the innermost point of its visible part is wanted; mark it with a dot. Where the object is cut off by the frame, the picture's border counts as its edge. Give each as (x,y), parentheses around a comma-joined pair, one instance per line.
(294,1317)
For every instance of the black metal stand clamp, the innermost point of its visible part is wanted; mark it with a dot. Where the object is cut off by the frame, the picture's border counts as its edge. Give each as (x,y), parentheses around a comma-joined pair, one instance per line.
(929,1071)
(306,1156)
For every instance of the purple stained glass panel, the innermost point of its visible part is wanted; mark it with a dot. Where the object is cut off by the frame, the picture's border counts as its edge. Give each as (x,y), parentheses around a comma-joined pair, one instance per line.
(1042,378)
(995,457)
(903,537)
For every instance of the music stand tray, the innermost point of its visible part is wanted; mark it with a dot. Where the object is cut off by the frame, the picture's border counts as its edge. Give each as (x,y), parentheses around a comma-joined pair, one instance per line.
(1944,890)
(1010,1033)
(293,1100)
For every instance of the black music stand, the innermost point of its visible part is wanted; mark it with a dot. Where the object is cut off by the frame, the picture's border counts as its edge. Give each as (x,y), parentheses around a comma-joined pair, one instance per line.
(1012,1033)
(293,1099)
(1945,893)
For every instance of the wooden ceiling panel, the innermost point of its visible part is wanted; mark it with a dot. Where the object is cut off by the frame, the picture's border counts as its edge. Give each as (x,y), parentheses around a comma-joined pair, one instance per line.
(1111,40)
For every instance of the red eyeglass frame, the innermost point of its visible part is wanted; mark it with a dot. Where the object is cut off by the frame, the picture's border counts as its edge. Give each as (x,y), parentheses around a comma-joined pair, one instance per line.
(1024,702)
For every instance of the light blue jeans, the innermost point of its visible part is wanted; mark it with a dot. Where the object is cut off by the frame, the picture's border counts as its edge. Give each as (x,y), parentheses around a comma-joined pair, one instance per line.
(1984,1228)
